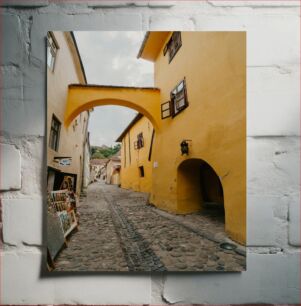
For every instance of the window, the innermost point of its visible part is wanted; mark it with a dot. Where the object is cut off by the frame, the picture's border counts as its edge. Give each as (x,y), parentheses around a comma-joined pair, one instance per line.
(178,101)
(165,110)
(54,133)
(52,48)
(141,171)
(178,98)
(173,45)
(140,142)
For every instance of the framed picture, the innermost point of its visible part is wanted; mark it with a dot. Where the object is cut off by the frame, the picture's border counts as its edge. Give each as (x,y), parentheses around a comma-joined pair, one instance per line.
(146,151)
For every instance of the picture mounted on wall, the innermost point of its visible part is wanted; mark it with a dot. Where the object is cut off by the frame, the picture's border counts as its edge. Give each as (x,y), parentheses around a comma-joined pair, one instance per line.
(146,151)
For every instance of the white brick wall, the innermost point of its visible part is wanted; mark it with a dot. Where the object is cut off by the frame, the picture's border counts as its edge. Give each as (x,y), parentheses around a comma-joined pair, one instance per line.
(10,168)
(20,228)
(273,97)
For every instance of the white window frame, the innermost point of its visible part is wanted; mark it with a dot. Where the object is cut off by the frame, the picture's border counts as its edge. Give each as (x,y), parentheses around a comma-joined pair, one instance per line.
(52,49)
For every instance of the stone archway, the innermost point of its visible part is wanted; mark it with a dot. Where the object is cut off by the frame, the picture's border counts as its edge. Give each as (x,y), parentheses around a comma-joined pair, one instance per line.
(84,97)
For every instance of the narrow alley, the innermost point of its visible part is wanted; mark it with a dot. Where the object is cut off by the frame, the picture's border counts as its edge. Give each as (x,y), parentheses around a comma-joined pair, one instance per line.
(118,231)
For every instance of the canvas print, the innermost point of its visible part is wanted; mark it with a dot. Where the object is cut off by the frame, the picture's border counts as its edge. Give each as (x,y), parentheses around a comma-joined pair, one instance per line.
(146,151)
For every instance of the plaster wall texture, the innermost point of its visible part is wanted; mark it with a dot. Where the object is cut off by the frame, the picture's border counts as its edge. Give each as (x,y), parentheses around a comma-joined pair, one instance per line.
(273,176)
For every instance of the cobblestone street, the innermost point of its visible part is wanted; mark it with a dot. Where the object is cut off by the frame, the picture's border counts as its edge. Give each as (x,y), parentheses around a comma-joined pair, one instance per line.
(119,232)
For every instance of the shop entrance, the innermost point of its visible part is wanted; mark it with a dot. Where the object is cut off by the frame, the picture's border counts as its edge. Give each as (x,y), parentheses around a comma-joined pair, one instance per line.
(199,188)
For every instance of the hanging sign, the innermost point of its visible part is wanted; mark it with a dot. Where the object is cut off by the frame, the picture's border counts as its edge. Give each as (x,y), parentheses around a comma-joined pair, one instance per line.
(63,161)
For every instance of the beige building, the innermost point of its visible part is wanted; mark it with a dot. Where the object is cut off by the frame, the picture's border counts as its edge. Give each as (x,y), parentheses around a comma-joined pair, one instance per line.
(98,169)
(87,156)
(66,146)
(113,170)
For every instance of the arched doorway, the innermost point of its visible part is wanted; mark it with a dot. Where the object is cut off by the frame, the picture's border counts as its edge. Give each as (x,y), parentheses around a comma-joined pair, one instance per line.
(199,188)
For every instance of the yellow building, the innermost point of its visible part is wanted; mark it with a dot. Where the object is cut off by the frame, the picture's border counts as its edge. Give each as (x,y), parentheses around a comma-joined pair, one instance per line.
(67,151)
(198,111)
(136,154)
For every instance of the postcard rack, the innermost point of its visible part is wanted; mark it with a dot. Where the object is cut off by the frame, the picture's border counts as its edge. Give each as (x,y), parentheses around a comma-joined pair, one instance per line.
(64,205)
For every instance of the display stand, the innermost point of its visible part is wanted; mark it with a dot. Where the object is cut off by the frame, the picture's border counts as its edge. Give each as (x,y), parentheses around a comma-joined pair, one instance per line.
(64,203)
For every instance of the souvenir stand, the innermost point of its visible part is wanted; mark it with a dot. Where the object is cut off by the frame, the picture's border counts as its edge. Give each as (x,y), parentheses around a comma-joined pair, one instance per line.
(61,219)
(65,205)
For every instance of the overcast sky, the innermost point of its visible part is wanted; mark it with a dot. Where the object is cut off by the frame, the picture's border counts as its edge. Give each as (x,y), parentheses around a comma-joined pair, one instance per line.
(110,58)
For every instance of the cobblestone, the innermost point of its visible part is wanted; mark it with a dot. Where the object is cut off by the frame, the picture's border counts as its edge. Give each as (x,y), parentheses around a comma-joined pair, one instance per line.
(119,232)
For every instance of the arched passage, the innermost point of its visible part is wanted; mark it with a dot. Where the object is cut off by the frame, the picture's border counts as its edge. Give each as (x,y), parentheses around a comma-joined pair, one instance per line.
(84,97)
(198,187)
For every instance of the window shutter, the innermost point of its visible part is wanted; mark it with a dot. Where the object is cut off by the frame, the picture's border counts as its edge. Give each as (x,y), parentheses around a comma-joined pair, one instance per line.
(165,49)
(165,110)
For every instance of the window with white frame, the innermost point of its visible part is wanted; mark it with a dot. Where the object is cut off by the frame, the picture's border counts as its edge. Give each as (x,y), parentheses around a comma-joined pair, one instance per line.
(178,101)
(52,48)
(54,133)
(173,45)
(178,98)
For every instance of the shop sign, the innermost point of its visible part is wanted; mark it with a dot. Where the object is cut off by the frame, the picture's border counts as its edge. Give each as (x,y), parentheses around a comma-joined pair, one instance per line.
(63,161)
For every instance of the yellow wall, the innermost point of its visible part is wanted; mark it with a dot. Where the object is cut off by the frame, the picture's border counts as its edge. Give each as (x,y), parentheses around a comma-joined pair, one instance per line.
(132,159)
(71,142)
(214,65)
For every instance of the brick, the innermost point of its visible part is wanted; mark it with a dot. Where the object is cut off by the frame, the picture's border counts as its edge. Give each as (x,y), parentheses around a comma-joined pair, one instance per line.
(22,221)
(162,22)
(32,150)
(12,98)
(258,4)
(11,45)
(112,4)
(278,89)
(126,22)
(23,283)
(108,4)
(294,221)
(132,289)
(22,112)
(260,220)
(10,167)
(273,165)
(153,3)
(108,21)
(268,35)
(11,84)
(24,3)
(266,281)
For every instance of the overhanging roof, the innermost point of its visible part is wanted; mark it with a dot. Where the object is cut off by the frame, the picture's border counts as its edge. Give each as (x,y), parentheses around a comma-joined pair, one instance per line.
(131,124)
(152,44)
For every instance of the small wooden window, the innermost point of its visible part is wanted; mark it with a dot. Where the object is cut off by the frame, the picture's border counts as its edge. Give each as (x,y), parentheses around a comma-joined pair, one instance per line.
(54,133)
(165,110)
(141,171)
(173,45)
(52,48)
(140,141)
(178,97)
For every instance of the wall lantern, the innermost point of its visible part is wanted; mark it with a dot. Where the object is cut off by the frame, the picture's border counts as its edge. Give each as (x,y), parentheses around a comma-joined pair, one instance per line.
(184,147)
